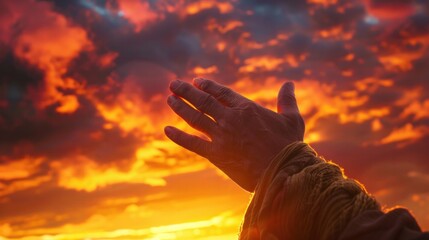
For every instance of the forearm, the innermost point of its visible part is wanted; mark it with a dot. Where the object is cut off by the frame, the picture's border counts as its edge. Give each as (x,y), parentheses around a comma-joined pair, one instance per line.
(301,196)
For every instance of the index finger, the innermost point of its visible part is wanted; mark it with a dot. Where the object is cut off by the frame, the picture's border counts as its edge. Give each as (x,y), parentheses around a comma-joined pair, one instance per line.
(201,100)
(188,141)
(221,93)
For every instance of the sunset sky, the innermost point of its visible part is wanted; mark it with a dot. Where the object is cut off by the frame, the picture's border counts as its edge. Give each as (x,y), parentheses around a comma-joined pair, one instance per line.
(83,88)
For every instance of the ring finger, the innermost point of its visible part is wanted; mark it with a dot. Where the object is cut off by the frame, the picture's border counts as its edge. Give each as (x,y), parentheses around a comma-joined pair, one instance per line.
(193,117)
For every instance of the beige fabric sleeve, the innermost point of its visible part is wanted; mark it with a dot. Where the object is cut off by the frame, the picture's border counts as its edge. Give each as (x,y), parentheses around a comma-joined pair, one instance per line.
(303,196)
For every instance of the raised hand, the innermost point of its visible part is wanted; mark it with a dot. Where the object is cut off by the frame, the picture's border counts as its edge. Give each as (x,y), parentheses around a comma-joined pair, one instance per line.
(244,135)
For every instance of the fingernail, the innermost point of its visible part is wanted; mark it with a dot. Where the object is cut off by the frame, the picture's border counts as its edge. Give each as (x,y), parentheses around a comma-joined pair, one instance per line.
(174,84)
(291,85)
(171,99)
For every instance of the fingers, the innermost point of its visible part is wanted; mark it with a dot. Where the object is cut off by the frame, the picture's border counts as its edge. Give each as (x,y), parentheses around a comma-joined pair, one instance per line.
(201,100)
(190,142)
(194,118)
(221,93)
(286,101)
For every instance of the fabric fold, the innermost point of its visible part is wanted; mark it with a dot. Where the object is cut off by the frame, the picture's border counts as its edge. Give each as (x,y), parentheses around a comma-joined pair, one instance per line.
(303,196)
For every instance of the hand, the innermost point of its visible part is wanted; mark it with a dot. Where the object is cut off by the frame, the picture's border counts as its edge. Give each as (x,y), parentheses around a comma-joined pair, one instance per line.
(245,136)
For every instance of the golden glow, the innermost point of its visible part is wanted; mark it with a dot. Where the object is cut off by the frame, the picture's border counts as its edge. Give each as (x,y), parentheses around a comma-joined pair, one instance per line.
(260,63)
(407,133)
(226,28)
(221,46)
(397,63)
(23,184)
(202,71)
(418,109)
(69,104)
(198,6)
(82,173)
(19,168)
(214,227)
(376,125)
(323,2)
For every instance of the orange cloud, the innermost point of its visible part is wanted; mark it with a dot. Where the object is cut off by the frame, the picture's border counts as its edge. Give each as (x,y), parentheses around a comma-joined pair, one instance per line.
(228,26)
(266,63)
(390,11)
(22,184)
(139,13)
(419,110)
(405,135)
(348,87)
(82,173)
(107,59)
(19,172)
(198,6)
(51,46)
(323,2)
(19,168)
(203,71)
(399,62)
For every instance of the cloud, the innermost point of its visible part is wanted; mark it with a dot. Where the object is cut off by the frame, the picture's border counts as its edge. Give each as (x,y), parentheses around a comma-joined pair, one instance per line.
(84,84)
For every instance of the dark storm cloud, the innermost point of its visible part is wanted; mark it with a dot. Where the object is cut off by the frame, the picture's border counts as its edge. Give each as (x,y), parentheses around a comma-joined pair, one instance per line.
(267,15)
(42,133)
(16,79)
(290,4)
(58,136)
(146,77)
(381,3)
(383,97)
(332,16)
(327,51)
(169,43)
(297,44)
(174,44)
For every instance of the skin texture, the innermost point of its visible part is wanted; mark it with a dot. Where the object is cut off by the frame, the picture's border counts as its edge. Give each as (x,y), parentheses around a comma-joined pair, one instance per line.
(244,136)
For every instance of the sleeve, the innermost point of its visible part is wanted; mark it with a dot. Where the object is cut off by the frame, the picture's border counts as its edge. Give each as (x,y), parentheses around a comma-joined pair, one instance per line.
(303,196)
(397,224)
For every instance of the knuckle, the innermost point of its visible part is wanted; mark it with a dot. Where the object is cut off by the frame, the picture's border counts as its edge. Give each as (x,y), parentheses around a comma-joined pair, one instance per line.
(181,88)
(204,85)
(224,92)
(205,102)
(295,117)
(179,138)
(200,147)
(195,119)
(248,106)
(175,104)
(297,120)
(177,108)
(222,142)
(290,98)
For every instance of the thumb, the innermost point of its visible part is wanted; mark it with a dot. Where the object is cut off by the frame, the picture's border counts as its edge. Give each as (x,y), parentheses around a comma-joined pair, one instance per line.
(286,101)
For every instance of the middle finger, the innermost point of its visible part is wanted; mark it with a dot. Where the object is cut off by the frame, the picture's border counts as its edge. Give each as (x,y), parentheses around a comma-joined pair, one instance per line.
(193,117)
(201,100)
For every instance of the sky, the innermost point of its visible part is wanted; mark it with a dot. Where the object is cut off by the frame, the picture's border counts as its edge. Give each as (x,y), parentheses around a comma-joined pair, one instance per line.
(83,88)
